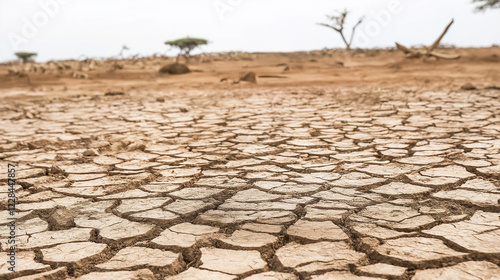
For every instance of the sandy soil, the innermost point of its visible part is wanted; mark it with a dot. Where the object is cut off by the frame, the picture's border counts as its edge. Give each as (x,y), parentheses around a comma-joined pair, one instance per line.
(364,70)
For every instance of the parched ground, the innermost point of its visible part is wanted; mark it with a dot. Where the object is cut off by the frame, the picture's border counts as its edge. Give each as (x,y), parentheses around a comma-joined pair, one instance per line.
(255,182)
(297,185)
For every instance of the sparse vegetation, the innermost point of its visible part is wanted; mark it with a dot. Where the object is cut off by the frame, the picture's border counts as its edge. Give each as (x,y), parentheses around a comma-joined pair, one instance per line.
(25,56)
(186,45)
(124,48)
(338,22)
(487,4)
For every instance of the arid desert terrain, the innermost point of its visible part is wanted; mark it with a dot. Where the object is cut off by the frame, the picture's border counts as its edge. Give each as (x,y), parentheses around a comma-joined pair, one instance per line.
(357,165)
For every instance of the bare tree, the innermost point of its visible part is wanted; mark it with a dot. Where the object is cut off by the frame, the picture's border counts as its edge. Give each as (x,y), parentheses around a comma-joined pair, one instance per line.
(486,4)
(338,24)
(429,51)
(124,48)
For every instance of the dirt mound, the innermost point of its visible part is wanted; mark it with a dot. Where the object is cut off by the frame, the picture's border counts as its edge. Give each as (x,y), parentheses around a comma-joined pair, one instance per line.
(175,69)
(249,77)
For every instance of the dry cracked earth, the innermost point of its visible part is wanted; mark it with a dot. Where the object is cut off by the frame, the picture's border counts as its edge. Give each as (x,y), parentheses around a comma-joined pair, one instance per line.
(276,184)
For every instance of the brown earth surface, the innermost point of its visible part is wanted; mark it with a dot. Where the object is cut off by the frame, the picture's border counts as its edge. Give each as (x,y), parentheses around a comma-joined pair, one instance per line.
(360,69)
(363,166)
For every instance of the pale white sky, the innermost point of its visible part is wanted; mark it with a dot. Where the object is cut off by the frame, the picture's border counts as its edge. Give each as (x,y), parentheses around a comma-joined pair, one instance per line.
(63,29)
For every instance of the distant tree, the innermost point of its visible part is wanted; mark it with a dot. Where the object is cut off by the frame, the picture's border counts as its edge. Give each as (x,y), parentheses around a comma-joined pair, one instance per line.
(124,48)
(25,56)
(338,24)
(186,45)
(486,4)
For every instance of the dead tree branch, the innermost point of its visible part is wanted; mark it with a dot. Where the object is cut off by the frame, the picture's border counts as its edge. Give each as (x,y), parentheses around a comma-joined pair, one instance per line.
(429,51)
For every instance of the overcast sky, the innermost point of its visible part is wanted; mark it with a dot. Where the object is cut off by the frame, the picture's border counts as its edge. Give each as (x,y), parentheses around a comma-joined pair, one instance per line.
(63,29)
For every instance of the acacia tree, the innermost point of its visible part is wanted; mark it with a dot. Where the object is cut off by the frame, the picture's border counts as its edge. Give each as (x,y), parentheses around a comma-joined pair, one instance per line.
(485,4)
(338,24)
(25,56)
(186,45)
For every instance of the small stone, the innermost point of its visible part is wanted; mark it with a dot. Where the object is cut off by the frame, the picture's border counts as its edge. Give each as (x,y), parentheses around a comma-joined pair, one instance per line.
(91,153)
(468,86)
(62,218)
(136,146)
(114,93)
(249,77)
(175,69)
